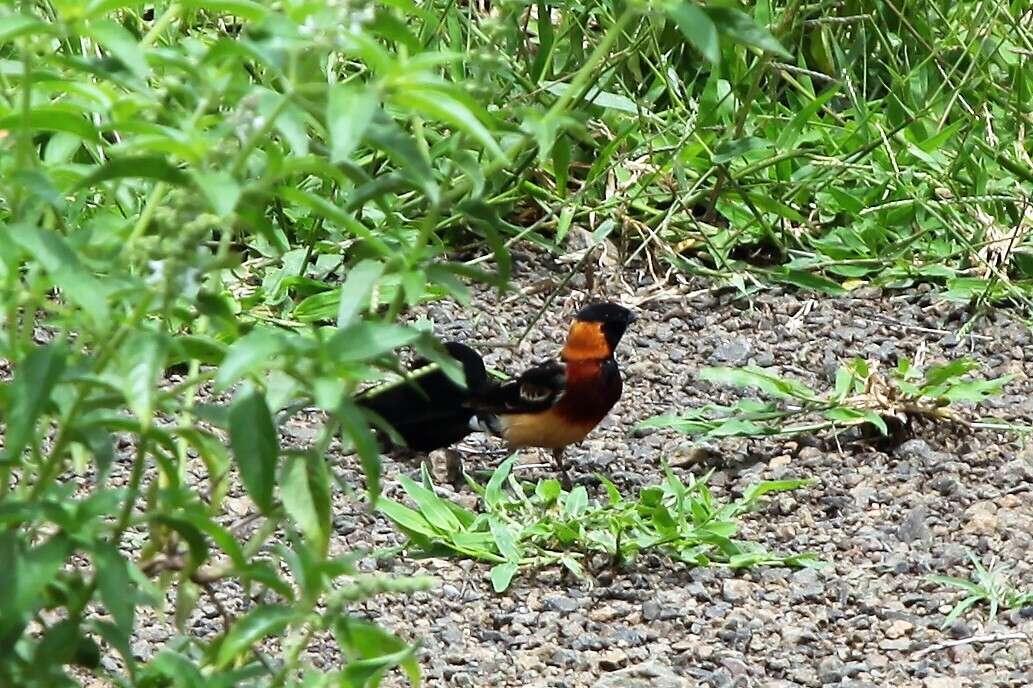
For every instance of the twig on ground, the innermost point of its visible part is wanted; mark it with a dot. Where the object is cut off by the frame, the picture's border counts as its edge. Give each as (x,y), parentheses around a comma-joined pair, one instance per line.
(971,640)
(927,330)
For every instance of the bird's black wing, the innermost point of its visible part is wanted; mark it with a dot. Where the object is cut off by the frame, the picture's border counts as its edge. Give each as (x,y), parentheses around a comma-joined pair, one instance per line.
(536,389)
(427,408)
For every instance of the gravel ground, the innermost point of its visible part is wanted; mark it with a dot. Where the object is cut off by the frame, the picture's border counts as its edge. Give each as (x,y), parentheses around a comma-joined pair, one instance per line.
(883,520)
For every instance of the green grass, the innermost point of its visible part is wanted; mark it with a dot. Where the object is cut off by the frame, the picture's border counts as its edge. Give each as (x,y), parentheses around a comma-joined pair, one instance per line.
(250,194)
(518,526)
(862,396)
(986,584)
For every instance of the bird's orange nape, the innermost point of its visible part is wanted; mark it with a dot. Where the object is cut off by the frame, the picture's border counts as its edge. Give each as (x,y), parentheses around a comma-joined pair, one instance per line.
(586,342)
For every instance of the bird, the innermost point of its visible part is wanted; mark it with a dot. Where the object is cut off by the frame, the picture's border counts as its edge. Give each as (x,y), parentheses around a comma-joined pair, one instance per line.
(551,405)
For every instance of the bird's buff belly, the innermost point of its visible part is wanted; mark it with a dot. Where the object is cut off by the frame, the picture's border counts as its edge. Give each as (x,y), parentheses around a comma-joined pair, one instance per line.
(547,430)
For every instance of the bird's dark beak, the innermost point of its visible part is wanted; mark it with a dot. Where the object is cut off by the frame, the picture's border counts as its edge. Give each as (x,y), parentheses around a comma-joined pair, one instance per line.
(631,317)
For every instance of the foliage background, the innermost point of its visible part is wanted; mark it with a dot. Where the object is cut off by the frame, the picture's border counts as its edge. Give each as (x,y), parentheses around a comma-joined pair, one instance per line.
(249,195)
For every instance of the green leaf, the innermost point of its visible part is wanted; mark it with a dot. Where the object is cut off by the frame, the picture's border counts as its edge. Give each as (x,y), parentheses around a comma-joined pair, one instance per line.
(260,623)
(14,25)
(93,8)
(576,502)
(738,26)
(438,104)
(58,644)
(976,390)
(683,424)
(807,280)
(789,134)
(246,354)
(318,308)
(502,575)
(486,219)
(206,350)
(245,9)
(385,134)
(140,167)
(305,492)
(363,673)
(937,375)
(960,609)
(349,111)
(180,671)
(363,341)
(751,376)
(737,427)
(727,151)
(549,490)
(355,426)
(967,288)
(757,490)
(290,119)
(493,492)
(255,446)
(53,118)
(221,189)
(341,218)
(142,362)
(851,416)
(376,647)
(505,540)
(116,587)
(34,380)
(122,44)
(697,27)
(844,380)
(356,290)
(62,264)
(601,98)
(35,570)
(431,506)
(191,531)
(406,518)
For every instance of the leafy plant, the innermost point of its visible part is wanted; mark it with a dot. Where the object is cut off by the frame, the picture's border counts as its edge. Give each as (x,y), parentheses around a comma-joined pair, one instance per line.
(861,396)
(215,211)
(990,584)
(179,182)
(524,527)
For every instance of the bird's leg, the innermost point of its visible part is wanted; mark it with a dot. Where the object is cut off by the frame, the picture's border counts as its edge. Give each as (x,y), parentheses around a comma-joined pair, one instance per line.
(453,467)
(557,456)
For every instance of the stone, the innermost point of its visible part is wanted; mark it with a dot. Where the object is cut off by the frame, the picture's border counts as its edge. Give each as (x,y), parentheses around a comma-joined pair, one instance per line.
(736,590)
(831,670)
(612,659)
(805,585)
(561,604)
(794,635)
(894,645)
(981,518)
(898,629)
(650,674)
(564,658)
(943,682)
(733,351)
(913,527)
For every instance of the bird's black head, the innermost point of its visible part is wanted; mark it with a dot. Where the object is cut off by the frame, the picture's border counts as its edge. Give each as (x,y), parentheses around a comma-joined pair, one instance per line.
(609,319)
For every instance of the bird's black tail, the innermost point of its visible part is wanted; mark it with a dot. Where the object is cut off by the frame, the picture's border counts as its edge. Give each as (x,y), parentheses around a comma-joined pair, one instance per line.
(428,410)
